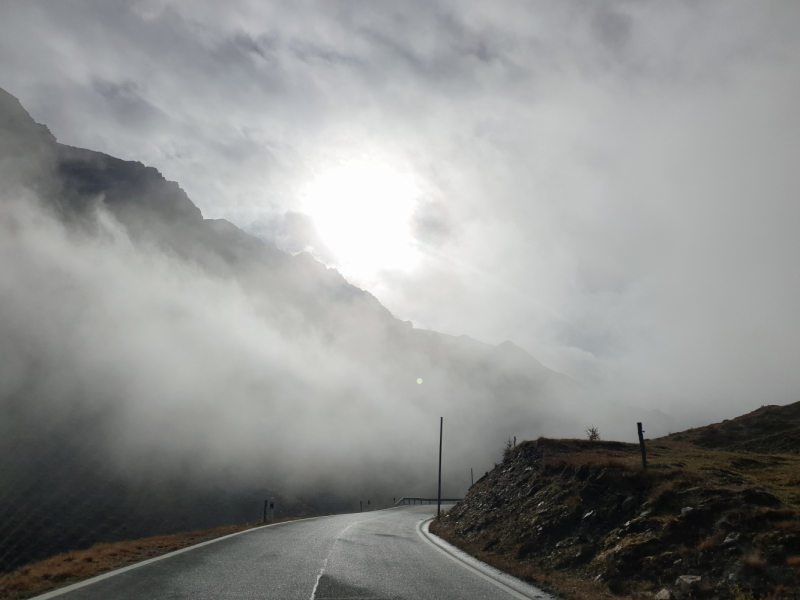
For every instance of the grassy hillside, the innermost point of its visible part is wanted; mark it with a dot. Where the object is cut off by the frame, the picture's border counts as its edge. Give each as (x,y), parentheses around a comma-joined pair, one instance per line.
(710,518)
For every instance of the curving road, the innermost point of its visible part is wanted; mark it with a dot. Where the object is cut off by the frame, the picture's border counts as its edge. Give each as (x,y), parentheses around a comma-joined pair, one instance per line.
(383,554)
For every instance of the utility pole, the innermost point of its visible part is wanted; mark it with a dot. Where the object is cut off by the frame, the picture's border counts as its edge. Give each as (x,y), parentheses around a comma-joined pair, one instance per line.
(641,445)
(471,476)
(515,441)
(361,505)
(439,503)
(266,502)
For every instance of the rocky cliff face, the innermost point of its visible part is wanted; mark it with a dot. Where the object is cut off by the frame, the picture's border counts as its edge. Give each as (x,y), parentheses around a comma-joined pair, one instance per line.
(585,520)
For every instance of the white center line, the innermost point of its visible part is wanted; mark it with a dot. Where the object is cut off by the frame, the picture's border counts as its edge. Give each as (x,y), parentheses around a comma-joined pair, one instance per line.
(321,572)
(325,562)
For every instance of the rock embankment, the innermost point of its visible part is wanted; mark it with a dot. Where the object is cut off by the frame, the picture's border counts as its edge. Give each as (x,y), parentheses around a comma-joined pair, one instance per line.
(583,519)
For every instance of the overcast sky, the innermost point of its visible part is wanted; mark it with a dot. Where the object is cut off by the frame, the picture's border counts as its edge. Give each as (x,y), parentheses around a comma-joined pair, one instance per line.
(612,186)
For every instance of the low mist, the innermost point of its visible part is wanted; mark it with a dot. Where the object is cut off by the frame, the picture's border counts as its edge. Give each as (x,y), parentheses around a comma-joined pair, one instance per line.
(159,371)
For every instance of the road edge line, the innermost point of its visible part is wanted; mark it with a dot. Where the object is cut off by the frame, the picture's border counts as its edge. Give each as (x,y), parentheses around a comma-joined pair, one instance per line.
(478,567)
(98,578)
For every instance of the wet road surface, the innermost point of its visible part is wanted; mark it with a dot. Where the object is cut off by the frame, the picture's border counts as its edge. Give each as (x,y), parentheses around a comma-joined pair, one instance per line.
(374,555)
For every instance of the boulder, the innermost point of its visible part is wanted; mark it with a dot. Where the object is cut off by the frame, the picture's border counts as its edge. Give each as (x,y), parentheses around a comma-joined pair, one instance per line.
(686,582)
(732,538)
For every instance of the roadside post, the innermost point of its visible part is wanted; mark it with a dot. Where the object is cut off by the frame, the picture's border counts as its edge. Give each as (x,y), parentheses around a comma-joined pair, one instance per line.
(439,500)
(272,511)
(641,445)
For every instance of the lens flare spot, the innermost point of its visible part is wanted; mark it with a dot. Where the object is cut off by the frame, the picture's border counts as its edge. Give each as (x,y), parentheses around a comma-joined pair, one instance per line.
(419,380)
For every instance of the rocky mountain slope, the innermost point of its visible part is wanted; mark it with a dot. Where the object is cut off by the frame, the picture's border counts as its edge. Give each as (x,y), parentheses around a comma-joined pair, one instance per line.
(765,430)
(583,519)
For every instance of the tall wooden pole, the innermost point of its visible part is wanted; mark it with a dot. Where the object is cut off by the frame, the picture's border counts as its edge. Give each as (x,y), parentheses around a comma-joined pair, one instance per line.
(439,503)
(471,476)
(641,445)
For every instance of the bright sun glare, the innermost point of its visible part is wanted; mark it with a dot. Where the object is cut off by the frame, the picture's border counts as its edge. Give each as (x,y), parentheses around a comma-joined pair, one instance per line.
(362,212)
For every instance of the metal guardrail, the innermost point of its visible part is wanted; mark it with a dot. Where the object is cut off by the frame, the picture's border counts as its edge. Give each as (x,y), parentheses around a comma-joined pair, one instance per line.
(406,500)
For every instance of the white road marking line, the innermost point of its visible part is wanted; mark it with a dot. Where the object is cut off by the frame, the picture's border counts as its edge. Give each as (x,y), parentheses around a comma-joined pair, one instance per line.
(80,584)
(321,572)
(325,562)
(537,595)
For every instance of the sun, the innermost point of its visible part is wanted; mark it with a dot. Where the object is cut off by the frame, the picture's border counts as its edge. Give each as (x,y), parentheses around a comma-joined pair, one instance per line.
(362,212)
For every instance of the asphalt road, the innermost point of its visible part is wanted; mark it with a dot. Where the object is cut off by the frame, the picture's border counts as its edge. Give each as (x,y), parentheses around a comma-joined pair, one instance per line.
(374,555)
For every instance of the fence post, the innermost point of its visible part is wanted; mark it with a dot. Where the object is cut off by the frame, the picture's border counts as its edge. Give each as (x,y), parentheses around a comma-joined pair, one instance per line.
(641,445)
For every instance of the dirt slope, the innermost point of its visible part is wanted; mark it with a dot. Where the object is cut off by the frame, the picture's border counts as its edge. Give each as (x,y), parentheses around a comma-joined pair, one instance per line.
(584,520)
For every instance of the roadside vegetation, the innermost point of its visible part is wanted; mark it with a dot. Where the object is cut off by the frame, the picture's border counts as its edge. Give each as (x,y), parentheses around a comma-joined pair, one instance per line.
(716,515)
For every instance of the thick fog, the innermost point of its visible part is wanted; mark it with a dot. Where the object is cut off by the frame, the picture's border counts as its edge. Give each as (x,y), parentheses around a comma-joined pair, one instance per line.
(166,346)
(610,187)
(187,371)
(149,382)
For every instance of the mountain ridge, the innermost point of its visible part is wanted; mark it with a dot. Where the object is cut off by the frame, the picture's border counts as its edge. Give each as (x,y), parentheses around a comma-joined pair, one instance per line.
(144,201)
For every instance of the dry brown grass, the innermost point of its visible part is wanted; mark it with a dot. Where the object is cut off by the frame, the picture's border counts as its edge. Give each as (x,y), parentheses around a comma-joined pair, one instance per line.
(712,542)
(72,567)
(776,473)
(591,459)
(753,563)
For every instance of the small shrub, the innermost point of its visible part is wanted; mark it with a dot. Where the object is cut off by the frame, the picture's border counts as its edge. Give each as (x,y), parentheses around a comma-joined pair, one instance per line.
(507,449)
(592,434)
